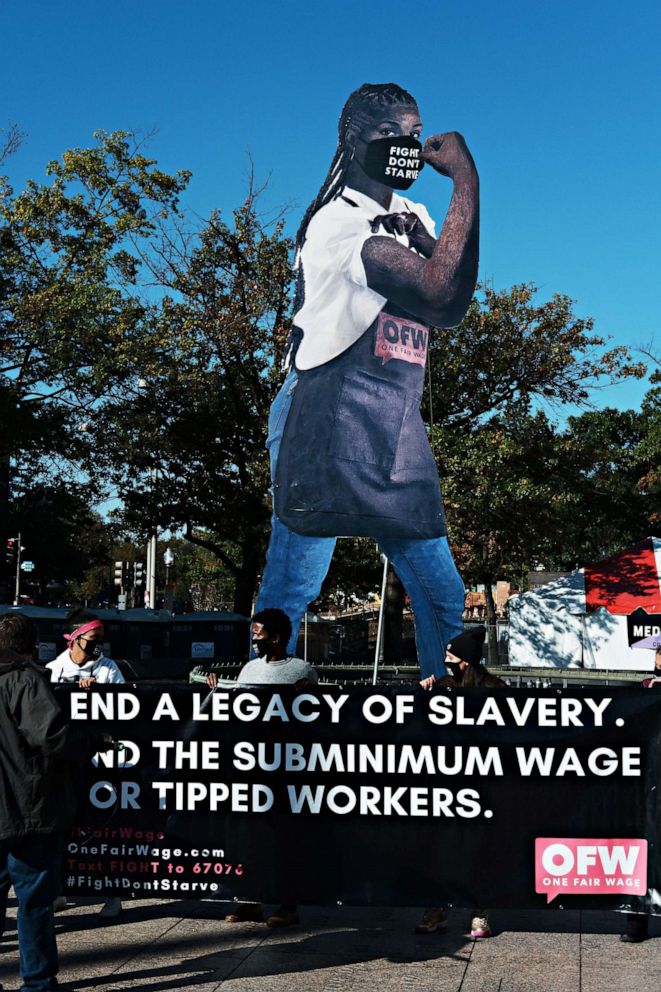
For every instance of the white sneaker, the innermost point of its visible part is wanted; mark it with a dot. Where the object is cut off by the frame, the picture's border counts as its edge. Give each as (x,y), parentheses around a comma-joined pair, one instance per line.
(111,908)
(480,929)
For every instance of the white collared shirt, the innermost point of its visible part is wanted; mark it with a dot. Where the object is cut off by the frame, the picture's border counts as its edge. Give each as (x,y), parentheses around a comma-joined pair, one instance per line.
(339,305)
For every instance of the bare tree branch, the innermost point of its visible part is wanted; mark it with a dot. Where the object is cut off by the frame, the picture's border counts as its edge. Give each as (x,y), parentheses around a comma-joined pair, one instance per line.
(14,137)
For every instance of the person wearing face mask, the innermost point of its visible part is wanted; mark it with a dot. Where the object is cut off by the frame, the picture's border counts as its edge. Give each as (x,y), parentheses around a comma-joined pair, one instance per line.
(84,663)
(83,660)
(349,451)
(271,631)
(463,659)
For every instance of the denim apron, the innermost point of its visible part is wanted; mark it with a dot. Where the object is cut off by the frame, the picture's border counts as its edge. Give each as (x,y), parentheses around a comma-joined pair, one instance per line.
(355,459)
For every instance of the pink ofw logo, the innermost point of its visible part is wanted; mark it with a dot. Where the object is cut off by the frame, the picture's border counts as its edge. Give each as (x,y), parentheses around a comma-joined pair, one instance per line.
(601,866)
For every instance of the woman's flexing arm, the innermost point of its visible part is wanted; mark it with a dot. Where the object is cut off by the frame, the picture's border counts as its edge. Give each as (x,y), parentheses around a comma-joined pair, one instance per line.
(438,289)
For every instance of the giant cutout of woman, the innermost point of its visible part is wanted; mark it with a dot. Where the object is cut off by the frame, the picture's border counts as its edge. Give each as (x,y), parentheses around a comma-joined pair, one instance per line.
(349,452)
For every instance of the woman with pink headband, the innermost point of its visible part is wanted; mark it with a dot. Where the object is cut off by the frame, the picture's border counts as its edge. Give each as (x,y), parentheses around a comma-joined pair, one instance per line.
(84,663)
(83,660)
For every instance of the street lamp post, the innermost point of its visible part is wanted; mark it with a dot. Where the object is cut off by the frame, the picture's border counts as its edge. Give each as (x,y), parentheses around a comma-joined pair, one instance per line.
(168,558)
(168,598)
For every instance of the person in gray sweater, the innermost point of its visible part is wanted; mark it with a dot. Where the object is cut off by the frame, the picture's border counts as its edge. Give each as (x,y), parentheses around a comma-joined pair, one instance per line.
(271,630)
(272,664)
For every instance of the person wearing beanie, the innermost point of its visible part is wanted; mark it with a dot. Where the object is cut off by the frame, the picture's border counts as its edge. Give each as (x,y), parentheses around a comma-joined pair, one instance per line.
(463,659)
(467,646)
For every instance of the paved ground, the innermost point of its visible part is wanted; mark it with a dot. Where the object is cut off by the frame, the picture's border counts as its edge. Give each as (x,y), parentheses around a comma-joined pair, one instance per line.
(159,945)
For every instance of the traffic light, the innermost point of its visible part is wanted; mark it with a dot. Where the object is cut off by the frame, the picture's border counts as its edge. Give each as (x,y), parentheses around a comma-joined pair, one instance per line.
(138,573)
(12,545)
(122,574)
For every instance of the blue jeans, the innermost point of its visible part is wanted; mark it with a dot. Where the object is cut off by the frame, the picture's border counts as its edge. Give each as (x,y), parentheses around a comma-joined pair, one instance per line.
(296,567)
(32,865)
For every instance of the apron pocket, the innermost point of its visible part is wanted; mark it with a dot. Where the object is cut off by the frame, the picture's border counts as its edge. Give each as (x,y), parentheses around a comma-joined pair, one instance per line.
(368,420)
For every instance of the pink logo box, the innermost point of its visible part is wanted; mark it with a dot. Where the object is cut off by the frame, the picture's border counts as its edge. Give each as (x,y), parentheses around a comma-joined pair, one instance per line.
(596,865)
(402,339)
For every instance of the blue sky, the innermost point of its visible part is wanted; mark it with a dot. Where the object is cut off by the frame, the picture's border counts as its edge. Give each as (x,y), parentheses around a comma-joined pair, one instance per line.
(558,100)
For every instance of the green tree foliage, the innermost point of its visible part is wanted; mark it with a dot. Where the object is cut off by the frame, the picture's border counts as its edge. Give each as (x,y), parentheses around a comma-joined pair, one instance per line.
(502,497)
(515,486)
(648,451)
(512,349)
(608,475)
(198,579)
(501,492)
(520,491)
(190,445)
(356,570)
(72,322)
(69,257)
(69,544)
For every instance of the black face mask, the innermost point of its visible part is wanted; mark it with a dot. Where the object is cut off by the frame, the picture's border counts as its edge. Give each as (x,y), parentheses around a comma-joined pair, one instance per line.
(395,162)
(261,647)
(93,649)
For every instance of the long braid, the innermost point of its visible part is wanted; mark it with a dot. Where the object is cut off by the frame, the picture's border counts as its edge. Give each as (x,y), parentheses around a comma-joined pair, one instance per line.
(328,189)
(363,105)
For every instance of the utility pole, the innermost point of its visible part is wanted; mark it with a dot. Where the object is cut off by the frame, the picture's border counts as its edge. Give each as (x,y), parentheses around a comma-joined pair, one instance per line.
(151,578)
(152,545)
(17,595)
(152,542)
(147,575)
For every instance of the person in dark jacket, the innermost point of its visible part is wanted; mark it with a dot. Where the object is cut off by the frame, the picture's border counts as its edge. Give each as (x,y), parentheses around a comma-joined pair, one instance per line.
(36,797)
(463,659)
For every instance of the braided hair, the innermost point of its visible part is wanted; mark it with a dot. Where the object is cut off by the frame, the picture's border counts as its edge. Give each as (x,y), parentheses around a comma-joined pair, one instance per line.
(363,105)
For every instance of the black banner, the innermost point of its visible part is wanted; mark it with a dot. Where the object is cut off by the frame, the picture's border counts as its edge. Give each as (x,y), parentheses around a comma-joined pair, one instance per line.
(373,796)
